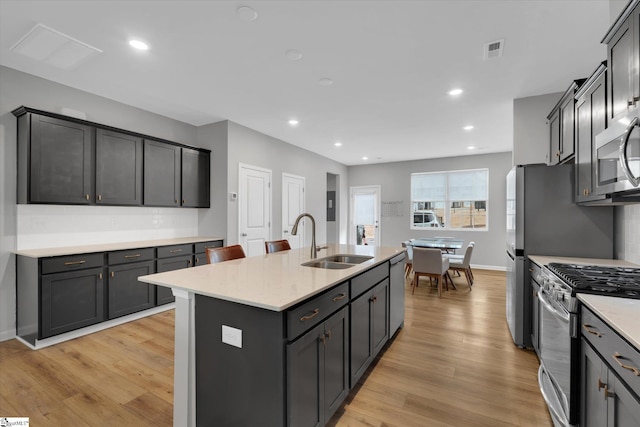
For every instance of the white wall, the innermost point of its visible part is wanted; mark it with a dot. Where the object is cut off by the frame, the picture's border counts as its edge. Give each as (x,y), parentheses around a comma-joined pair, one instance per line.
(627,233)
(530,128)
(395,182)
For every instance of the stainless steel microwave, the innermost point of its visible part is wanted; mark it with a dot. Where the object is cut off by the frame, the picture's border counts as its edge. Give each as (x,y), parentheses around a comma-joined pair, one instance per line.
(618,155)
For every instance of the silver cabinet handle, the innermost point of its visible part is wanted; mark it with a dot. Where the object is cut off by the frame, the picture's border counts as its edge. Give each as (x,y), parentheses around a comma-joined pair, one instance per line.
(624,160)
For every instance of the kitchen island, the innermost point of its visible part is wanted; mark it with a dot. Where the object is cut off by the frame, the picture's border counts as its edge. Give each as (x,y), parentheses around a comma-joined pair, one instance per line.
(265,340)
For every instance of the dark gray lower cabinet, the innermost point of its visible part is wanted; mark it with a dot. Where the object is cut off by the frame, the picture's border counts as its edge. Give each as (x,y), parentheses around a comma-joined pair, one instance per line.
(369,328)
(318,372)
(126,294)
(164,294)
(71,300)
(609,385)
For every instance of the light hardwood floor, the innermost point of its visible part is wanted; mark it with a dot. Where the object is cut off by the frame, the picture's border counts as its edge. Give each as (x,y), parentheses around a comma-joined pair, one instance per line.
(453,364)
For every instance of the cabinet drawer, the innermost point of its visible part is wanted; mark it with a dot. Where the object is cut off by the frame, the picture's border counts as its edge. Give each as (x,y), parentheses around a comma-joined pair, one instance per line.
(368,279)
(310,313)
(72,262)
(133,255)
(202,247)
(174,250)
(612,348)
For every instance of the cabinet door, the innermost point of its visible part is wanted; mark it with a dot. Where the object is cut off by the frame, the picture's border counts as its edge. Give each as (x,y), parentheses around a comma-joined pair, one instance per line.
(360,336)
(118,168)
(554,138)
(336,362)
(593,377)
(625,405)
(71,300)
(61,165)
(195,178)
(126,294)
(567,123)
(622,65)
(305,390)
(380,316)
(161,174)
(164,294)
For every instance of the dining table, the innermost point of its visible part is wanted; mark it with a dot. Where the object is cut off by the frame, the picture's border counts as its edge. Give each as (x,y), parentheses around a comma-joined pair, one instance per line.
(444,243)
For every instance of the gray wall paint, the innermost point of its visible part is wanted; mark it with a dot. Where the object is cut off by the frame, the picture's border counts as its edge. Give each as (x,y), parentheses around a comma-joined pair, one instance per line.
(615,9)
(627,233)
(530,129)
(395,182)
(254,148)
(213,221)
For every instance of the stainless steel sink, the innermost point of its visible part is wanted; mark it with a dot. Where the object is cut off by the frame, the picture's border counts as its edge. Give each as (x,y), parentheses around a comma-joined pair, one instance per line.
(337,262)
(327,265)
(347,259)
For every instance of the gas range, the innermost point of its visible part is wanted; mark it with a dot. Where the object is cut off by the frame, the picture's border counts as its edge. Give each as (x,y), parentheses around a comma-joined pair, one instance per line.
(621,282)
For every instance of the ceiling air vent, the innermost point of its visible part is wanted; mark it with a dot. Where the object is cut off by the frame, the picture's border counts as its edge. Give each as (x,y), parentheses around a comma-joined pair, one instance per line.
(53,47)
(493,49)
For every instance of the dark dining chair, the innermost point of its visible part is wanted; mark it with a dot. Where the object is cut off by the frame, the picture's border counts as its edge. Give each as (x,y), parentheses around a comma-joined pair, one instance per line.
(225,253)
(277,246)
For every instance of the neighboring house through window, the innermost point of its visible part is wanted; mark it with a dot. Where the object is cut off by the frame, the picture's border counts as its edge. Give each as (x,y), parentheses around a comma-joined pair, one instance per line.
(452,199)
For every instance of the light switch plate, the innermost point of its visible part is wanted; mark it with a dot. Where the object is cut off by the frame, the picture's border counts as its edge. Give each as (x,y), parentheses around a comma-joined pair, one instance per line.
(232,336)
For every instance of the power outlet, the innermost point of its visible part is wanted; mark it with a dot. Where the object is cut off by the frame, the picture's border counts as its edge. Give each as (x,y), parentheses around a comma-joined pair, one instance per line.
(232,336)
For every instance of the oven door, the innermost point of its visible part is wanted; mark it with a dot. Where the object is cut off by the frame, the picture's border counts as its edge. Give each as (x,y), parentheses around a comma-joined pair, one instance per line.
(554,376)
(618,156)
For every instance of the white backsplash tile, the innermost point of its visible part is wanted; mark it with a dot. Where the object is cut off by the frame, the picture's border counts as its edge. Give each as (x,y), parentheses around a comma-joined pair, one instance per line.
(628,233)
(46,226)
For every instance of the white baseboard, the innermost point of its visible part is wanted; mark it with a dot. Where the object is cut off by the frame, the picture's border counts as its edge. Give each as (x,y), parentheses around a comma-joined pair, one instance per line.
(7,335)
(489,267)
(95,328)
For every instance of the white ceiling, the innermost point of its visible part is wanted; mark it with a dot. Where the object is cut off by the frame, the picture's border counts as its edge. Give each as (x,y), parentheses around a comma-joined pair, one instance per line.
(391,62)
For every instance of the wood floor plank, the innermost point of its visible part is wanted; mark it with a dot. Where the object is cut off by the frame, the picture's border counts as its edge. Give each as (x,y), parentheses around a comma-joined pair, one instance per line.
(452,364)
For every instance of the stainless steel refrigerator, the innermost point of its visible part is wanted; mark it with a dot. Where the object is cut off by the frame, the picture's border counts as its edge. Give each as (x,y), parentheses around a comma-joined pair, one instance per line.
(542,219)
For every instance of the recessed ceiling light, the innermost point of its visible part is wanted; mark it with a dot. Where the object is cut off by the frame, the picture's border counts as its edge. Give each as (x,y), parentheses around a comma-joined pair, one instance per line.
(468,127)
(471,147)
(246,14)
(137,44)
(293,122)
(337,144)
(455,92)
(365,158)
(325,81)
(293,54)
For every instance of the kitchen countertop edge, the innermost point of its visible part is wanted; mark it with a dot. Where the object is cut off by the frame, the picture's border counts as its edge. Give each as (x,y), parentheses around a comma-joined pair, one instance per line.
(107,247)
(619,313)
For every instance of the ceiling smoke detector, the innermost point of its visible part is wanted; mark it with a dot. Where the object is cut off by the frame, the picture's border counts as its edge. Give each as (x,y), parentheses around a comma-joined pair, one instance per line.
(493,49)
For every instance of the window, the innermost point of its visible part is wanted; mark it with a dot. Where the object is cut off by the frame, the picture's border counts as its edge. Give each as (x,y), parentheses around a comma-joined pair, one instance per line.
(456,199)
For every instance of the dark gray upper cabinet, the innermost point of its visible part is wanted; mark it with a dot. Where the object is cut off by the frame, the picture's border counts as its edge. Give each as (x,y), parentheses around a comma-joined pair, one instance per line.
(562,126)
(161,174)
(66,160)
(118,168)
(195,178)
(591,119)
(56,160)
(623,56)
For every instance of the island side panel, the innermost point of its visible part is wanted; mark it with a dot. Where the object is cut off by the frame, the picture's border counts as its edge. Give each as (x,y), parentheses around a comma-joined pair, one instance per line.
(239,386)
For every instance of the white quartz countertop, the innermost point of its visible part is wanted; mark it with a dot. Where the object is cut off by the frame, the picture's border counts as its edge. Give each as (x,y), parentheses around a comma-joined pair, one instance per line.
(622,314)
(274,281)
(105,247)
(543,260)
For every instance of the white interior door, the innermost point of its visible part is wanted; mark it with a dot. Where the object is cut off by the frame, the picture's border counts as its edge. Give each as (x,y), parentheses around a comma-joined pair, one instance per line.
(254,196)
(292,206)
(364,224)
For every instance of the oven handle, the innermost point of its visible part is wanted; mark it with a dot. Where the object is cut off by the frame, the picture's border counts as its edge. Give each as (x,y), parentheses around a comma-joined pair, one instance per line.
(624,159)
(551,404)
(547,304)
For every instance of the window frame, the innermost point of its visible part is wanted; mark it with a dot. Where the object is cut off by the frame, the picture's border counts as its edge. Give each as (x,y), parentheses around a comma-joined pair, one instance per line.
(446,219)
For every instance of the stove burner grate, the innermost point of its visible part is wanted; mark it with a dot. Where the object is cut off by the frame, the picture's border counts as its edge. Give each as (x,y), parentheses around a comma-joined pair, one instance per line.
(613,281)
